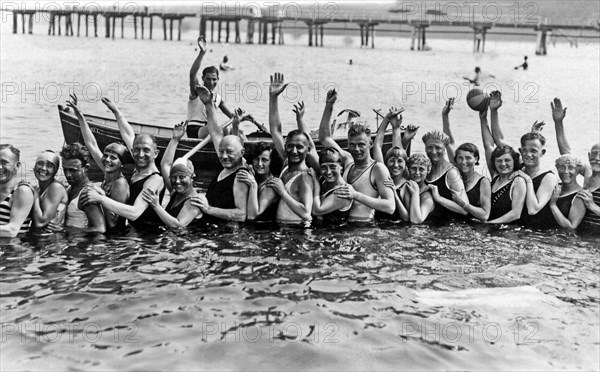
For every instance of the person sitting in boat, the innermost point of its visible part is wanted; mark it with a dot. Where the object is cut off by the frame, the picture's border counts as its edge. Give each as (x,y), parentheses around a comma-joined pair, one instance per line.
(568,210)
(16,199)
(80,214)
(179,180)
(590,193)
(144,150)
(332,209)
(50,204)
(394,159)
(196,112)
(465,158)
(226,198)
(294,185)
(365,177)
(416,194)
(224,66)
(262,200)
(110,161)
(508,188)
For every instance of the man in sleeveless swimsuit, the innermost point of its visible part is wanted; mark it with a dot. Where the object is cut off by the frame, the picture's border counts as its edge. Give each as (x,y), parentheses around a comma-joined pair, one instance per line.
(365,177)
(89,216)
(15,201)
(144,150)
(540,184)
(196,113)
(295,185)
(226,197)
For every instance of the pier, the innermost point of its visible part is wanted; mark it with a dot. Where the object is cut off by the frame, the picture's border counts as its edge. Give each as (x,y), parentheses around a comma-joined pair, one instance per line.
(269,23)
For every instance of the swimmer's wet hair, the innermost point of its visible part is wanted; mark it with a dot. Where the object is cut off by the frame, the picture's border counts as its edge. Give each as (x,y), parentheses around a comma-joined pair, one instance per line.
(437,136)
(418,159)
(257,149)
(568,159)
(12,149)
(532,136)
(396,152)
(468,147)
(76,151)
(358,128)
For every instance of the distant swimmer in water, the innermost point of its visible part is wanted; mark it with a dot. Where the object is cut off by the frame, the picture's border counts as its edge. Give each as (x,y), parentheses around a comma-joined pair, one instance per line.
(224,66)
(525,65)
(350,62)
(478,76)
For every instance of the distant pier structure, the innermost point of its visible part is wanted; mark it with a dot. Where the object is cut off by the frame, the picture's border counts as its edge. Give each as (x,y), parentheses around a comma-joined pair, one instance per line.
(268,24)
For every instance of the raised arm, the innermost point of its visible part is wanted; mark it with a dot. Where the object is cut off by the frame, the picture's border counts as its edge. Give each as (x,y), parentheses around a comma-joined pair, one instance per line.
(495,104)
(276,87)
(378,142)
(214,130)
(312,158)
(167,160)
(558,115)
(488,141)
(325,129)
(446,128)
(196,67)
(86,132)
(127,133)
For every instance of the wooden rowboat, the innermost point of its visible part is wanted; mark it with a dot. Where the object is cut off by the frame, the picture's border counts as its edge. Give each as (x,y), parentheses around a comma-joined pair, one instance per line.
(205,161)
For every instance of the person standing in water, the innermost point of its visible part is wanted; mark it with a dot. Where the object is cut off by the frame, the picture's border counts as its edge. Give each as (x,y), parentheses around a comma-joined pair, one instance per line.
(524,65)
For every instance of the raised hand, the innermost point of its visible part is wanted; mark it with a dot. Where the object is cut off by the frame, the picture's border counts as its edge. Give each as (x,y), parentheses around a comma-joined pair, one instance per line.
(299,110)
(179,130)
(448,106)
(150,196)
(202,44)
(410,131)
(537,126)
(558,112)
(205,95)
(73,104)
(109,104)
(495,100)
(331,96)
(277,85)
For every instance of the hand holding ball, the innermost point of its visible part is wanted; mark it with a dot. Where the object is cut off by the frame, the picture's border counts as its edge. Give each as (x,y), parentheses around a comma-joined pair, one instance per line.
(477,100)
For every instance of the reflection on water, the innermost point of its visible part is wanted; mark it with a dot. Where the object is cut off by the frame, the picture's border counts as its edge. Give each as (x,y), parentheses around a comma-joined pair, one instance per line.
(454,297)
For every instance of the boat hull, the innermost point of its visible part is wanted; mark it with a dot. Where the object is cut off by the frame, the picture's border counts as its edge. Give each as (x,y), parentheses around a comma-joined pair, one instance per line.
(205,161)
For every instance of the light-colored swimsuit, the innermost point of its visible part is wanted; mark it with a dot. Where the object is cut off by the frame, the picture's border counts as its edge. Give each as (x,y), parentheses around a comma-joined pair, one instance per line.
(360,212)
(76,217)
(284,214)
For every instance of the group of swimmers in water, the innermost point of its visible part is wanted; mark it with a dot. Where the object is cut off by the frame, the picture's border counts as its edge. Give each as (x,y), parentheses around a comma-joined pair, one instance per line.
(332,187)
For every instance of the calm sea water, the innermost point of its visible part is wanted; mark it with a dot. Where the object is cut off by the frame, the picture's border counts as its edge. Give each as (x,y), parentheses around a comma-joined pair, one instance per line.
(378,297)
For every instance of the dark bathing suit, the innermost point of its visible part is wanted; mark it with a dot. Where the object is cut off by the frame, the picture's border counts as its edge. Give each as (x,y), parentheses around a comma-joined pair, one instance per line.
(149,219)
(591,221)
(542,219)
(220,195)
(337,217)
(174,210)
(474,195)
(501,200)
(440,213)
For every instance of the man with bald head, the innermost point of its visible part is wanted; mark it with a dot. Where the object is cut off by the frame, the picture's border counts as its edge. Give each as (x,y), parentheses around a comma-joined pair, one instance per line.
(226,197)
(144,150)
